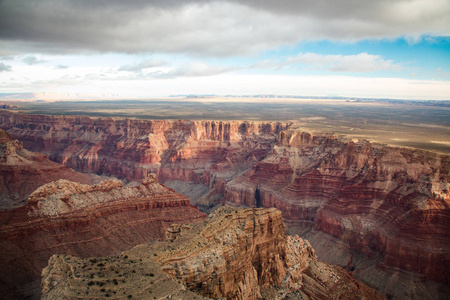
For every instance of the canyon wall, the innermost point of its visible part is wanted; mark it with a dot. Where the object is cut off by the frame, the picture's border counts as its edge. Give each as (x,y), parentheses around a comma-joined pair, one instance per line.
(385,210)
(389,203)
(131,149)
(235,254)
(22,171)
(83,220)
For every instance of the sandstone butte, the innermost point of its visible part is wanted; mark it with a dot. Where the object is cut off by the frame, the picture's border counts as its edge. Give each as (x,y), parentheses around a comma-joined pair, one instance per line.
(380,211)
(234,254)
(83,220)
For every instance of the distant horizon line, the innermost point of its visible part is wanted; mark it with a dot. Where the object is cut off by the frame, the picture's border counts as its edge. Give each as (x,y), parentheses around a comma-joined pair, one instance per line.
(62,96)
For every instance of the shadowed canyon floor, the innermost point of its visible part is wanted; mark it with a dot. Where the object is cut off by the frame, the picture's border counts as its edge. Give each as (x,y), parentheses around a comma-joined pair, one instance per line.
(380,211)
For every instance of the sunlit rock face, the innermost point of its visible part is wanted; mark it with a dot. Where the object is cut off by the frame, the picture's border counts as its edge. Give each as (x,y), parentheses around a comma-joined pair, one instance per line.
(131,149)
(234,254)
(84,220)
(389,203)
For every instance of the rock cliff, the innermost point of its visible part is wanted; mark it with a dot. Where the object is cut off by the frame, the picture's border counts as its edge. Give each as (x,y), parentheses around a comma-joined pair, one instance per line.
(388,203)
(22,171)
(132,149)
(380,211)
(78,219)
(235,254)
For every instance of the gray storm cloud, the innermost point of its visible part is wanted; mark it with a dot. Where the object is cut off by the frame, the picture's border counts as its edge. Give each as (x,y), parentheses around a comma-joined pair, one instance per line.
(213,28)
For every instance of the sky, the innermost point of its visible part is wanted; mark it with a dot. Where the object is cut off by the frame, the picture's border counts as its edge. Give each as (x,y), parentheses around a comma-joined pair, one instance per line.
(351,48)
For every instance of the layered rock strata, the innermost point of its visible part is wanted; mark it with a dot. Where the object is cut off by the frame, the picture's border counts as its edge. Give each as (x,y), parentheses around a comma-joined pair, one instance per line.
(384,202)
(132,149)
(384,209)
(234,254)
(72,218)
(22,171)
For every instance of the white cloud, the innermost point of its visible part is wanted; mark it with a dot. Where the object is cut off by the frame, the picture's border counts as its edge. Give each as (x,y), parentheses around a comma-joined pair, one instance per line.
(225,84)
(192,69)
(144,64)
(357,63)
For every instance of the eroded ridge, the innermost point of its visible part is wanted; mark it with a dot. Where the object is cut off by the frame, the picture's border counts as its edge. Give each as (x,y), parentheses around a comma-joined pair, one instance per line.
(235,253)
(78,219)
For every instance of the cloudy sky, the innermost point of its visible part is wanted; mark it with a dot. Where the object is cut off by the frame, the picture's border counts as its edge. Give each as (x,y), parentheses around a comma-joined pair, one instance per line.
(358,48)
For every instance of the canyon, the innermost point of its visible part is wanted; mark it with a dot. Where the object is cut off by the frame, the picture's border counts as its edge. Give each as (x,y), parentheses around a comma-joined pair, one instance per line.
(84,220)
(234,254)
(381,212)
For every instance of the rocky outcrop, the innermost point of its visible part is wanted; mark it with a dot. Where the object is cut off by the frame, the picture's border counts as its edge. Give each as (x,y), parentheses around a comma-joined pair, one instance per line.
(235,254)
(22,171)
(389,203)
(132,149)
(386,209)
(72,218)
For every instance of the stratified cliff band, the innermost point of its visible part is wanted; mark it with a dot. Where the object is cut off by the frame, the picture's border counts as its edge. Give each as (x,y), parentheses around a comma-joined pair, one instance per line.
(380,211)
(235,254)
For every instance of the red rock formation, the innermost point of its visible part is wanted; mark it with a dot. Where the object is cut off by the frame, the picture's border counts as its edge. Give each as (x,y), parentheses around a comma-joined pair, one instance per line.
(132,149)
(385,202)
(22,171)
(77,219)
(391,204)
(235,253)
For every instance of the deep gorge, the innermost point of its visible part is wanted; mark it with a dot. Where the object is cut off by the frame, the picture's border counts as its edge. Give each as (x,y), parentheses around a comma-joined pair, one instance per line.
(383,209)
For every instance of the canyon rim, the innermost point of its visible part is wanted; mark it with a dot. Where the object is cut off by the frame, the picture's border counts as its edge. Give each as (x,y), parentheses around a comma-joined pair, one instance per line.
(381,212)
